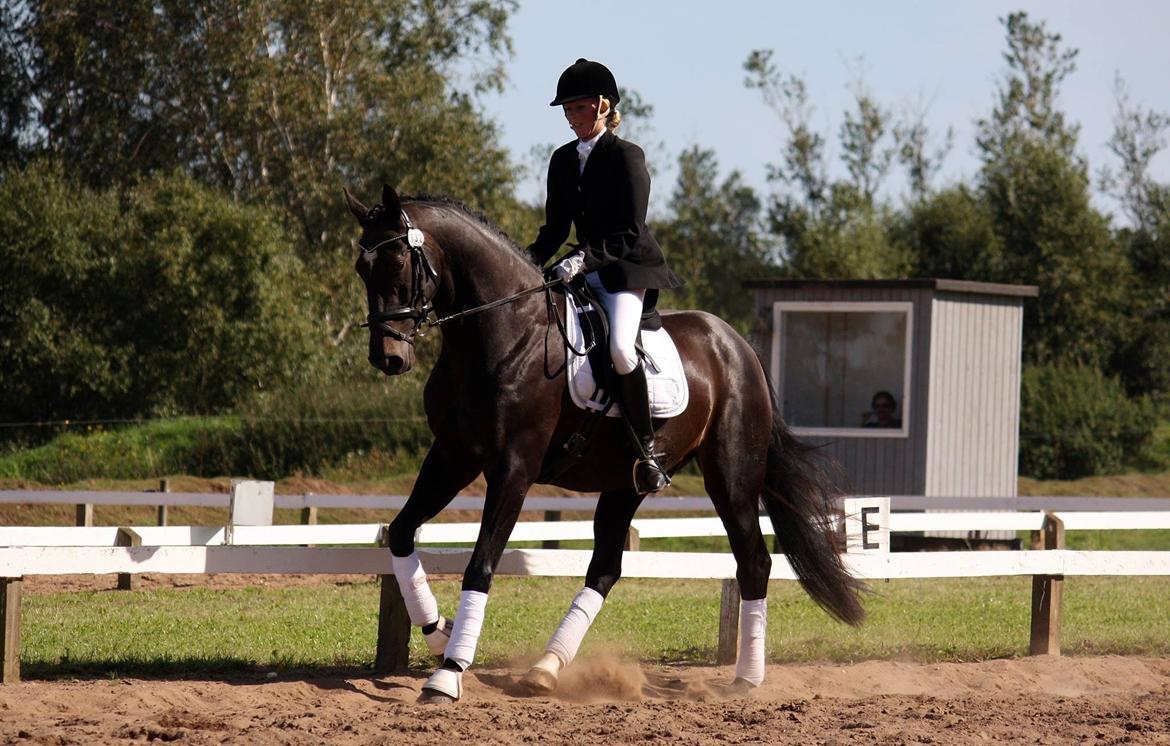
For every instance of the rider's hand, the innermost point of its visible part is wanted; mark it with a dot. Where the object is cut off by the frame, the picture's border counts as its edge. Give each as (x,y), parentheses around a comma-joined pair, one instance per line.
(567,268)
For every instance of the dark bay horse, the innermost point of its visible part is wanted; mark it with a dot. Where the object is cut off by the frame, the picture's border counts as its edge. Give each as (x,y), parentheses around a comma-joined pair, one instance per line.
(497,403)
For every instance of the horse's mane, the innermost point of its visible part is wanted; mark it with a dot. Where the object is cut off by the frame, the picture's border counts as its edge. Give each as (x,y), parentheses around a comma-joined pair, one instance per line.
(475,216)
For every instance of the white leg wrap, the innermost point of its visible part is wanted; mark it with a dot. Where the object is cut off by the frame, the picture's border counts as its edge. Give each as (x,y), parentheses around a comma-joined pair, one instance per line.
(567,639)
(416,592)
(753,628)
(468,623)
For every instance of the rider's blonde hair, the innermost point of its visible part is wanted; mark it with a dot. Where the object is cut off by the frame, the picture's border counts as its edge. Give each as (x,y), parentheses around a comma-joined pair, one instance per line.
(614,117)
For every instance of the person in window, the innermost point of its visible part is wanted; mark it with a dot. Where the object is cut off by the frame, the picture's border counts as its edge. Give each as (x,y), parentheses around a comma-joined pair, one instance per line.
(883,406)
(599,183)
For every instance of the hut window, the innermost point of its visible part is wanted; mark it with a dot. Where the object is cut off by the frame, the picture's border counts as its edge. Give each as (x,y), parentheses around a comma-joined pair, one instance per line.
(843,369)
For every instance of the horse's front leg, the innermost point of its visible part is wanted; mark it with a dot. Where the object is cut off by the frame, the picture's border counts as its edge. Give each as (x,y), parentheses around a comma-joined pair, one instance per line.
(507,485)
(611,525)
(439,480)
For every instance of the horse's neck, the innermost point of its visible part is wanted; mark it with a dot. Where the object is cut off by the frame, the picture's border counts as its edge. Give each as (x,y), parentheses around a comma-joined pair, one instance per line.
(481,269)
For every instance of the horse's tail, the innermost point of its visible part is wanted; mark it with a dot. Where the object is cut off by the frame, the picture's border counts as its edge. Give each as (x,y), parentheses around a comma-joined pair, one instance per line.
(801,500)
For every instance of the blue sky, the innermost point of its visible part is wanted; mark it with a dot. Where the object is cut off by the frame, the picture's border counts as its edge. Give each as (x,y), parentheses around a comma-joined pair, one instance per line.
(686,59)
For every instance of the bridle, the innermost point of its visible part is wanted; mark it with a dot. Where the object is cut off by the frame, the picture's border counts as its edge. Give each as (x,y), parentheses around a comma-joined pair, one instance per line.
(421,270)
(420,307)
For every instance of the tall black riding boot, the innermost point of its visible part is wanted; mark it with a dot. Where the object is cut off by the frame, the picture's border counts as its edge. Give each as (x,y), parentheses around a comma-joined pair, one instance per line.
(649,476)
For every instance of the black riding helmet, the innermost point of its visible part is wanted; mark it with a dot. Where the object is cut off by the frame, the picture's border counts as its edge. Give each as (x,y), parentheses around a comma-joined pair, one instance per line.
(583,79)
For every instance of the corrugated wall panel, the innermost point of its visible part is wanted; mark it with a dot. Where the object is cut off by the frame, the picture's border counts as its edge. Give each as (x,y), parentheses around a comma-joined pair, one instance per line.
(975,391)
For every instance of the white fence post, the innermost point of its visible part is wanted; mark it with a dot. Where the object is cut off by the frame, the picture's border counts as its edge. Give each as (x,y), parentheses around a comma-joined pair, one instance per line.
(251,504)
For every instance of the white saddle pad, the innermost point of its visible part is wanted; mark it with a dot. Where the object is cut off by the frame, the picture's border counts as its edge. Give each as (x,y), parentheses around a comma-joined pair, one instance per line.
(665,380)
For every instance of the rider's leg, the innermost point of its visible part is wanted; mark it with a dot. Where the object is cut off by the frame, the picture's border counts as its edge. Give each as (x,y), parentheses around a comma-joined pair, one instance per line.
(624,309)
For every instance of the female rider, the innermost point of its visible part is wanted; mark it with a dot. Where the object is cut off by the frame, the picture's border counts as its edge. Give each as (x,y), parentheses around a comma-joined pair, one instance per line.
(599,184)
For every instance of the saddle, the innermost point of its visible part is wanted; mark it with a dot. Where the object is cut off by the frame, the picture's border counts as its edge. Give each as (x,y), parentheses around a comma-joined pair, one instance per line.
(586,329)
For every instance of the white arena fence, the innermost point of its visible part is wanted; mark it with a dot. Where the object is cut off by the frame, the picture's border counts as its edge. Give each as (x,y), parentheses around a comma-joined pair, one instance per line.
(246,544)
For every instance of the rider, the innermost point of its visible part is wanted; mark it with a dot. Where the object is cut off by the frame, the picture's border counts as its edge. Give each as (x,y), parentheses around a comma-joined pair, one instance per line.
(599,183)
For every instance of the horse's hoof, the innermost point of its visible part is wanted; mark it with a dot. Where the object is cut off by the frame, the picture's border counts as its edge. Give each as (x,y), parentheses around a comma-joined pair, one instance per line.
(444,687)
(740,687)
(431,697)
(542,677)
(539,681)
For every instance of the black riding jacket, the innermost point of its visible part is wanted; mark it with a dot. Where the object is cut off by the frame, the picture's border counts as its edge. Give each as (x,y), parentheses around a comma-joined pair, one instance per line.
(607,204)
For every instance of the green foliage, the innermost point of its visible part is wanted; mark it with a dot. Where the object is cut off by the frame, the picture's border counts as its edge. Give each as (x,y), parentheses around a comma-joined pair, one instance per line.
(162,299)
(1142,359)
(833,228)
(1036,190)
(714,240)
(141,451)
(846,238)
(1052,237)
(951,234)
(309,430)
(364,429)
(1075,422)
(280,103)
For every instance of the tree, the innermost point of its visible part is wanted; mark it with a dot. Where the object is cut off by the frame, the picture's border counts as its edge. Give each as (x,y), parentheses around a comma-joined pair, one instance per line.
(1138,136)
(1036,189)
(1143,357)
(279,102)
(714,240)
(952,234)
(164,298)
(828,228)
(15,85)
(922,164)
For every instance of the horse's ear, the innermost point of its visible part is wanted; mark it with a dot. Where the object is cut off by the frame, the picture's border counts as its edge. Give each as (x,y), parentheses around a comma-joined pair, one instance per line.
(359,210)
(390,199)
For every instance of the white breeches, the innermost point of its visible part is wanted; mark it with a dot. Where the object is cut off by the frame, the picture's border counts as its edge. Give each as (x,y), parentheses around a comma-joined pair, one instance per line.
(624,309)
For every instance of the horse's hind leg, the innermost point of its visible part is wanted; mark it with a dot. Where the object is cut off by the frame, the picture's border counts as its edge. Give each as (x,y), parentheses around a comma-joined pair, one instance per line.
(611,525)
(439,480)
(733,467)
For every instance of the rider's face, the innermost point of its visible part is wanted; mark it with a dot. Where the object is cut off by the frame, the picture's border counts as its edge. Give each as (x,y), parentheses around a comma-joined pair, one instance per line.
(583,117)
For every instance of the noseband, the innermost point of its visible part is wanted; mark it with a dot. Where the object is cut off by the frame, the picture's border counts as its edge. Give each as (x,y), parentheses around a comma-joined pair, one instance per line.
(421,270)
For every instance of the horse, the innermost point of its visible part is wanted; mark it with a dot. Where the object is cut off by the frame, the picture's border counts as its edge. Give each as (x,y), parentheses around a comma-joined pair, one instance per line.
(497,404)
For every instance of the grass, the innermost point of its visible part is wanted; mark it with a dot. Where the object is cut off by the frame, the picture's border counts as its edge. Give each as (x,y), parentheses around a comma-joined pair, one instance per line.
(198,630)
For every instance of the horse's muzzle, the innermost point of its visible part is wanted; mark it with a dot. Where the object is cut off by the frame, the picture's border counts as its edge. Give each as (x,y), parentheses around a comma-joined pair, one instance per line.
(391,365)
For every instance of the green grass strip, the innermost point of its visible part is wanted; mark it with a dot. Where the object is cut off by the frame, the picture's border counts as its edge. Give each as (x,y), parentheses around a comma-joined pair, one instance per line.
(195,631)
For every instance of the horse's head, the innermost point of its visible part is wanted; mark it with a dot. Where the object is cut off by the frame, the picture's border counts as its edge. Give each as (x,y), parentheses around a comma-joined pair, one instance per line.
(398,264)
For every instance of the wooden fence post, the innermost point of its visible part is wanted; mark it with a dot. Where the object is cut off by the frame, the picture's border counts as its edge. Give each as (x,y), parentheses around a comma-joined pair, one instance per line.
(10,624)
(125,579)
(164,486)
(551,516)
(1047,595)
(85,514)
(728,623)
(393,650)
(633,541)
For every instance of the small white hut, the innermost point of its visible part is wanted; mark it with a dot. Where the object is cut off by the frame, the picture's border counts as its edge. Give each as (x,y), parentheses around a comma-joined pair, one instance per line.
(944,353)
